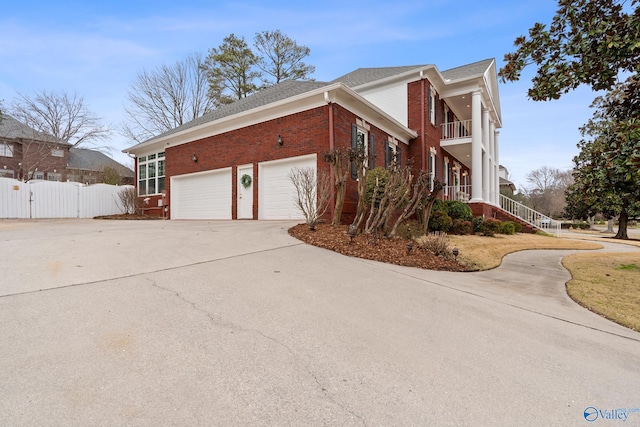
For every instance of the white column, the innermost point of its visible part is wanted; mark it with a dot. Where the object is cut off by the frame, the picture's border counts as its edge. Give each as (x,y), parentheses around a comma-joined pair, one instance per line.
(486,170)
(492,163)
(476,147)
(497,159)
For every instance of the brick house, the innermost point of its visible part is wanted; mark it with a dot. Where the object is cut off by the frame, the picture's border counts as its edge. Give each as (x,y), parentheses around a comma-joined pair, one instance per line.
(445,122)
(28,154)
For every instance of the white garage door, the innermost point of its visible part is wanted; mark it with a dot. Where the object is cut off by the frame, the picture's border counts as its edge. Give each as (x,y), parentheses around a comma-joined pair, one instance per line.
(276,193)
(203,195)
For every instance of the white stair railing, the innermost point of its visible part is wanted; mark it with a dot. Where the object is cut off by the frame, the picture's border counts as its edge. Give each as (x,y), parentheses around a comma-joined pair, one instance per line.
(528,215)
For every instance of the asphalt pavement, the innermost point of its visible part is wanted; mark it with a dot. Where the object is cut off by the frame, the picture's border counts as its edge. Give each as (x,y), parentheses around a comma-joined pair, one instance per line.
(234,323)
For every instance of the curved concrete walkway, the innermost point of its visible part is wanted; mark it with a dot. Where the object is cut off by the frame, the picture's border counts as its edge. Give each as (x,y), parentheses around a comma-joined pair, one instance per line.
(237,323)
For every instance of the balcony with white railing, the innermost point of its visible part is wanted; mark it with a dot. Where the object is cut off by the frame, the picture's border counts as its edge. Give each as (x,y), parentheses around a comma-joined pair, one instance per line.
(456,130)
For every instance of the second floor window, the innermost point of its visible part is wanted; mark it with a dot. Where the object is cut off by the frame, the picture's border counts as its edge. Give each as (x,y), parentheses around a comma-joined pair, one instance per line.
(6,150)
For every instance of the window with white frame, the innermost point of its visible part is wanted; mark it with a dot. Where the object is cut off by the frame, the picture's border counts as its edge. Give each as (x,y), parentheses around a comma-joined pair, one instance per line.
(56,152)
(360,144)
(446,171)
(393,152)
(6,150)
(433,105)
(432,167)
(53,176)
(7,173)
(36,175)
(151,174)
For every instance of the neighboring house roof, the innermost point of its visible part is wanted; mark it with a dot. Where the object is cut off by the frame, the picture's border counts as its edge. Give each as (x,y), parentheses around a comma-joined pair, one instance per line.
(278,92)
(85,159)
(367,75)
(467,71)
(13,129)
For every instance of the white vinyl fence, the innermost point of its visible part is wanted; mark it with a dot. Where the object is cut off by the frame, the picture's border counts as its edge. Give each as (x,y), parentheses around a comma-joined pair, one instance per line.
(48,199)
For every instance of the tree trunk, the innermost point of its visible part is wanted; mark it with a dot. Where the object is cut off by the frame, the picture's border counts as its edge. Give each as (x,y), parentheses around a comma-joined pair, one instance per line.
(341,189)
(610,222)
(623,219)
(591,220)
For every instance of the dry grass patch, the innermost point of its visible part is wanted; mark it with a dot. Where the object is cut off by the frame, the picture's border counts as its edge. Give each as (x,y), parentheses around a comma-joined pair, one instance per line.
(483,253)
(607,284)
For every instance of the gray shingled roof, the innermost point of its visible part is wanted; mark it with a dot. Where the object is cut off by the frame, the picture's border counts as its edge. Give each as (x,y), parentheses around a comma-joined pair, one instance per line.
(91,160)
(266,96)
(13,129)
(466,71)
(366,75)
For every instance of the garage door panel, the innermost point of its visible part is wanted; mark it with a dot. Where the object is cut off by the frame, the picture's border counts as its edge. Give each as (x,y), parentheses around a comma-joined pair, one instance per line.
(201,195)
(277,194)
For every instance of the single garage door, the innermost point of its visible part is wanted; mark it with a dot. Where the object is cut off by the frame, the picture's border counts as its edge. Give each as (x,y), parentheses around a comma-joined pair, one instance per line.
(276,193)
(202,195)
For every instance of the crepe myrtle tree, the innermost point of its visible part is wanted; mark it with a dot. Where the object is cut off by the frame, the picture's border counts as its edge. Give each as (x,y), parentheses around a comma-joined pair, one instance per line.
(313,192)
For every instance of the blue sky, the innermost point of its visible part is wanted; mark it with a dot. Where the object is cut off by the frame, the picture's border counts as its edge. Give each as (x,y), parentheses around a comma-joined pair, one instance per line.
(96,49)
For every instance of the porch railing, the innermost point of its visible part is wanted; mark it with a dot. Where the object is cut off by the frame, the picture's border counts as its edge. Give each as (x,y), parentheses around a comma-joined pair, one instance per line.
(528,215)
(461,193)
(456,130)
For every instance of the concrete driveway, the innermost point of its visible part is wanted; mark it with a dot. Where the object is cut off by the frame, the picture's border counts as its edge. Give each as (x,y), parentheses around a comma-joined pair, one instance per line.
(150,323)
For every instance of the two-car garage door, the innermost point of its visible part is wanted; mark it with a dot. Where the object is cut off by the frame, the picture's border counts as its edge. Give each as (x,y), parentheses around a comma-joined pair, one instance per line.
(208,195)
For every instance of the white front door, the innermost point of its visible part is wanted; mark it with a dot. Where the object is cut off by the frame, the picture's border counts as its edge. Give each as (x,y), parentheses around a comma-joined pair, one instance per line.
(245,194)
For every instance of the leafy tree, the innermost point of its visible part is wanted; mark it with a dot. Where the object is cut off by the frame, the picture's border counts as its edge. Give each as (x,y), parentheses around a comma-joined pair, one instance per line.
(167,97)
(607,170)
(588,41)
(111,176)
(592,42)
(281,58)
(231,70)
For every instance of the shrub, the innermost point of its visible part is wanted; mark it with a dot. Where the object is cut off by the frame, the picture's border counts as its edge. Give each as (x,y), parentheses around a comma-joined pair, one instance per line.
(379,175)
(477,224)
(437,243)
(459,210)
(490,227)
(507,227)
(440,221)
(461,227)
(129,201)
(517,227)
(409,230)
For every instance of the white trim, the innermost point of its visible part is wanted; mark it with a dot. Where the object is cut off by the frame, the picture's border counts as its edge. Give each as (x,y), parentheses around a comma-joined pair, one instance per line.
(336,93)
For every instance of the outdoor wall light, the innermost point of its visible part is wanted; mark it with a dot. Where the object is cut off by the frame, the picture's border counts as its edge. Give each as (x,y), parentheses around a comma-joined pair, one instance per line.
(194,157)
(280,141)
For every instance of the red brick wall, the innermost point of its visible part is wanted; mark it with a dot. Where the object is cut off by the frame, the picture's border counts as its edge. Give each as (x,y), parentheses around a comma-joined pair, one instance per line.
(302,133)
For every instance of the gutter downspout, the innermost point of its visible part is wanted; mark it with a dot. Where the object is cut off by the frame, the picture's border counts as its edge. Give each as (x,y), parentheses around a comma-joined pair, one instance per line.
(332,201)
(423,142)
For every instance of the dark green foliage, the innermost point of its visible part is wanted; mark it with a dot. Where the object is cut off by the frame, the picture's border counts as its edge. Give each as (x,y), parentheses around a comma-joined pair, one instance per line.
(440,221)
(490,227)
(409,230)
(461,227)
(458,210)
(477,224)
(507,227)
(517,227)
(588,41)
(377,176)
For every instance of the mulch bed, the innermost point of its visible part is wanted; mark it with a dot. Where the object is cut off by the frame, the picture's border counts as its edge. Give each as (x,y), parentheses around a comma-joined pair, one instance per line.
(127,217)
(391,251)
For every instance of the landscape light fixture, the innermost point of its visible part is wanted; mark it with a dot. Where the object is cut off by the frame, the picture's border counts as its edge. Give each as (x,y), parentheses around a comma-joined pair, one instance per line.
(455,251)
